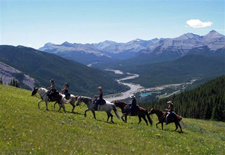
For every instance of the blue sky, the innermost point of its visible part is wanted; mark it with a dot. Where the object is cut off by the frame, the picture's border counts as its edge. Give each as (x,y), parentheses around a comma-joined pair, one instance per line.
(36,22)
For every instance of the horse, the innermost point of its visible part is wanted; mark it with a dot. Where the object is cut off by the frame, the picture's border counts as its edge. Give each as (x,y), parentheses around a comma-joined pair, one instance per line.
(108,107)
(71,100)
(140,112)
(162,118)
(59,98)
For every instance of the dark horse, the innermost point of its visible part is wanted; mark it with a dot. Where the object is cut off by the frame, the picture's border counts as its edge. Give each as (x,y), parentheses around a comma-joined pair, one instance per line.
(139,111)
(162,118)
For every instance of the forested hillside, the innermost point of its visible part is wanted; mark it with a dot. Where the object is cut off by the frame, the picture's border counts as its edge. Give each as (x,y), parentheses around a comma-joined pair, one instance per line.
(43,66)
(204,102)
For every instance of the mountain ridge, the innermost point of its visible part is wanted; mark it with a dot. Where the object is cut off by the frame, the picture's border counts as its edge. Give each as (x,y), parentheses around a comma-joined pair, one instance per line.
(43,66)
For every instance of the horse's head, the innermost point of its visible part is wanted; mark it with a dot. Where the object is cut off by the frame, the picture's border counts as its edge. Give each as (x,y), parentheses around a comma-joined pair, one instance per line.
(119,104)
(34,91)
(152,111)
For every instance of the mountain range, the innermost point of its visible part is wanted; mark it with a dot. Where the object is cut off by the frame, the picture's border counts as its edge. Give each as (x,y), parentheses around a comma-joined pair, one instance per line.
(108,51)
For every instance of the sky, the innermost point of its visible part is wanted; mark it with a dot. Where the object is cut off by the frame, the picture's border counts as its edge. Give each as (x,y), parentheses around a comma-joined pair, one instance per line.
(33,23)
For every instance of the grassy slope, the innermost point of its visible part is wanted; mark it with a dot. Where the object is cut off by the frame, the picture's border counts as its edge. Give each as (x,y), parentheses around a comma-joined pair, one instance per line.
(25,129)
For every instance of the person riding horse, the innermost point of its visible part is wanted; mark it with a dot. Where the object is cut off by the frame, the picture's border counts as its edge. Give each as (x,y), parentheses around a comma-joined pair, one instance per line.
(65,91)
(99,99)
(169,111)
(133,105)
(52,90)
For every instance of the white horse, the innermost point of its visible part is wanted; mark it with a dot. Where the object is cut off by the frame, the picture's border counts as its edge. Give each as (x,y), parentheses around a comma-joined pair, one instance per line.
(60,99)
(108,107)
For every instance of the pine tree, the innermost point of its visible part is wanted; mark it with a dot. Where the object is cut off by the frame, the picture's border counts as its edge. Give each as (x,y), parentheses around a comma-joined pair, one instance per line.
(1,81)
(14,83)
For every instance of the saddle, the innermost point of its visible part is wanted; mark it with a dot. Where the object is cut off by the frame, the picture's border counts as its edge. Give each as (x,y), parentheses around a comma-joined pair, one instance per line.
(100,102)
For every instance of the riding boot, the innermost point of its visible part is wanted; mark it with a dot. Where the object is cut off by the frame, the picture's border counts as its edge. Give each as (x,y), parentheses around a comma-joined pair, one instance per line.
(96,106)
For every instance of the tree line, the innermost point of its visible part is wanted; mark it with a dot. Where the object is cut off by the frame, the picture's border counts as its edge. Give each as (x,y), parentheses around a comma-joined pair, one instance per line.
(13,82)
(204,102)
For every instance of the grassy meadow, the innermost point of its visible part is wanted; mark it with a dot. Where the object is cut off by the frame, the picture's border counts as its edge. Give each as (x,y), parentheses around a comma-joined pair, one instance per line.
(25,129)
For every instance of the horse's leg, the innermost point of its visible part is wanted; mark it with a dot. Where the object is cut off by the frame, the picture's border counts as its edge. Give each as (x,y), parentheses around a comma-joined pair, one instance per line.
(85,112)
(63,105)
(73,107)
(176,126)
(46,103)
(145,119)
(111,117)
(39,103)
(108,116)
(139,119)
(60,106)
(157,124)
(122,117)
(93,112)
(162,125)
(55,104)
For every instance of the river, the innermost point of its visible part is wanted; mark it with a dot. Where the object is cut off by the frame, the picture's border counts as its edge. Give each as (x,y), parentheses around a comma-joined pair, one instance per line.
(135,88)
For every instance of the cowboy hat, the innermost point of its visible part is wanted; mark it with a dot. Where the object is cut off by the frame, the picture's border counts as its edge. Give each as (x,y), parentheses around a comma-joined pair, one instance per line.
(100,88)
(170,102)
(132,96)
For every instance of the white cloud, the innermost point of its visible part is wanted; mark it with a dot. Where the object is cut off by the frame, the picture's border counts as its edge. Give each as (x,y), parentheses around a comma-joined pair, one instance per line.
(196,23)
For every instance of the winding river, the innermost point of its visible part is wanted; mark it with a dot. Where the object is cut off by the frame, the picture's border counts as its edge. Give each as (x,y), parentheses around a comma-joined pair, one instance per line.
(135,88)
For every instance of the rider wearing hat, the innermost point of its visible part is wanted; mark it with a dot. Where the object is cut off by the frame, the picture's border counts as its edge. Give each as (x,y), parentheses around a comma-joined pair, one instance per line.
(169,110)
(65,91)
(99,97)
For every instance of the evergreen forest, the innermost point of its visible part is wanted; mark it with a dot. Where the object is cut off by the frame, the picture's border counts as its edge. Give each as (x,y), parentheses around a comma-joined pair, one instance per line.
(204,102)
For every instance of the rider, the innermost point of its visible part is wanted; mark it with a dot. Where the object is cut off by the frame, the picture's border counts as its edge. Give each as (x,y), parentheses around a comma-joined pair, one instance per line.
(52,90)
(169,110)
(133,104)
(65,91)
(99,97)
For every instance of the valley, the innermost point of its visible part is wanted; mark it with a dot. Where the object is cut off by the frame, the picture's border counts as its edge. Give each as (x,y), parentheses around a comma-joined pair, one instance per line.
(158,91)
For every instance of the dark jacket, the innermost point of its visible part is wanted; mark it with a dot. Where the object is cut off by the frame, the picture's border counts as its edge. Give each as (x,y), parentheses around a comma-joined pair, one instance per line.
(134,103)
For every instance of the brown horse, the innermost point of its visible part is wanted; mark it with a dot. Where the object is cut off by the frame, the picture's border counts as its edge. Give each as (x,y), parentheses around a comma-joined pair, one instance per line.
(140,112)
(162,118)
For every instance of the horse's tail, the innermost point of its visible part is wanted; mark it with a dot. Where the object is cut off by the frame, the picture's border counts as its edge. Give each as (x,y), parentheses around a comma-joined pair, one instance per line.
(179,118)
(116,112)
(149,118)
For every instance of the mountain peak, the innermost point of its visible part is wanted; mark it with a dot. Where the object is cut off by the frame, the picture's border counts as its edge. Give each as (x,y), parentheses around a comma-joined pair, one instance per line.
(213,34)
(213,31)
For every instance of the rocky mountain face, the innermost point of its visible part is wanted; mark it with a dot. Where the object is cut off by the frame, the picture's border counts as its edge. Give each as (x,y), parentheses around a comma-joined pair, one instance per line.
(68,47)
(186,42)
(104,49)
(7,73)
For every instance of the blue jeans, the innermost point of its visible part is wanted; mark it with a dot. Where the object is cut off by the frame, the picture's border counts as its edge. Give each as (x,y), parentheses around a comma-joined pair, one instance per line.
(96,104)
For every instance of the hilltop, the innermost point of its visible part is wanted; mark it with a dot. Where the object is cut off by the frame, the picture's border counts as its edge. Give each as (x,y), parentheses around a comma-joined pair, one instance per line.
(25,129)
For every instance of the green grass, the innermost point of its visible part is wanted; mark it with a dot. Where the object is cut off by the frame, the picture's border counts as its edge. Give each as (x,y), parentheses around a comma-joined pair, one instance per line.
(25,129)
